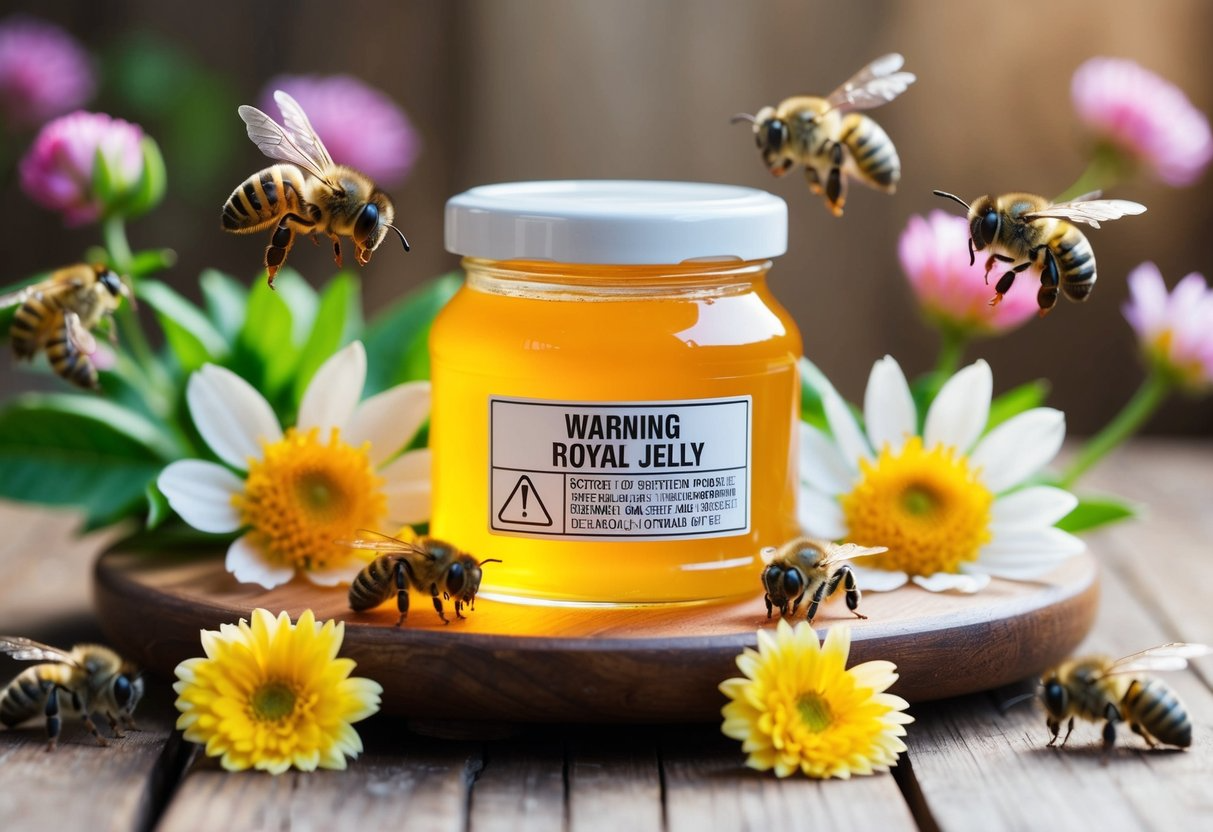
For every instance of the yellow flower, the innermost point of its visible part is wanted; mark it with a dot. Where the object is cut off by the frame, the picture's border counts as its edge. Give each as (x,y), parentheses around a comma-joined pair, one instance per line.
(271,694)
(799,707)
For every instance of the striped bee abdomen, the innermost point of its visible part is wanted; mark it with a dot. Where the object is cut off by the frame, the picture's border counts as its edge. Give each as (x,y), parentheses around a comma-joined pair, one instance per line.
(875,157)
(1151,704)
(260,200)
(23,698)
(374,583)
(66,359)
(28,327)
(1076,263)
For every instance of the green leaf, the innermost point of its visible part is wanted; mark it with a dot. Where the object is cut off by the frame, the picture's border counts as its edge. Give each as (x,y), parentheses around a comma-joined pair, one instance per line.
(190,335)
(267,347)
(145,263)
(149,190)
(396,338)
(103,185)
(1093,512)
(158,509)
(338,321)
(813,386)
(301,299)
(1016,401)
(81,451)
(225,301)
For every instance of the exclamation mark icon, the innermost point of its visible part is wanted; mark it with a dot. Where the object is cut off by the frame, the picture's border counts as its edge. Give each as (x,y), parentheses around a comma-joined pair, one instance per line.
(525,491)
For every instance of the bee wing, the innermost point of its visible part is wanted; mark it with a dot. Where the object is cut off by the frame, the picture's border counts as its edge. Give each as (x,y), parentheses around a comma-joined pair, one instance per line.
(384,543)
(300,129)
(80,337)
(1089,211)
(877,83)
(28,650)
(1173,656)
(836,552)
(275,142)
(14,298)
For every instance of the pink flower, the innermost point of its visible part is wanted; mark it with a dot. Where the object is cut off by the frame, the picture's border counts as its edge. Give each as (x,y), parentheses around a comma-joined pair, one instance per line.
(935,258)
(43,72)
(1175,330)
(1144,116)
(60,171)
(360,126)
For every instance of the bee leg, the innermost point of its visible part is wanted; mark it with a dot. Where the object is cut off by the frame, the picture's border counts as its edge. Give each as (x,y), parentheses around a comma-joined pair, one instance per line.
(815,602)
(810,175)
(845,574)
(88,720)
(459,609)
(1109,729)
(53,723)
(128,721)
(991,260)
(403,573)
(973,258)
(438,603)
(1069,730)
(115,727)
(767,598)
(836,191)
(1004,283)
(280,244)
(336,249)
(1054,728)
(1141,732)
(1050,278)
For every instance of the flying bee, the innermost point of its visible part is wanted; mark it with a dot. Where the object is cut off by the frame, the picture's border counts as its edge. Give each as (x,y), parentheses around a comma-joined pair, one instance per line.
(310,194)
(426,564)
(59,314)
(1029,230)
(830,138)
(807,567)
(86,679)
(1097,688)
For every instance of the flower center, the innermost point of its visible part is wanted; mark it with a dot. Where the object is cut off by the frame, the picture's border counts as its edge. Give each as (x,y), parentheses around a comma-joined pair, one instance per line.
(272,702)
(928,507)
(302,496)
(815,712)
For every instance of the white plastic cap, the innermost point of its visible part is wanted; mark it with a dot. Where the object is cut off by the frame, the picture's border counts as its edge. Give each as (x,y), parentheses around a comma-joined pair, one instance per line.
(616,221)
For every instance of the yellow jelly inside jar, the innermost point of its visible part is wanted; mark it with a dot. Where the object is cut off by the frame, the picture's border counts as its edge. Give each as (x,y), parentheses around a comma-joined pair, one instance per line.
(615,391)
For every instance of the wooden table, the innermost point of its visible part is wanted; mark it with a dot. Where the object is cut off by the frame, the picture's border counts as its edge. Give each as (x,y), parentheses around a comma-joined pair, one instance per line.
(969,766)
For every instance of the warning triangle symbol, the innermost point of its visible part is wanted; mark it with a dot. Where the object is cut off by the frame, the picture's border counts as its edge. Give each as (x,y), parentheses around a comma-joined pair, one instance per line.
(523,506)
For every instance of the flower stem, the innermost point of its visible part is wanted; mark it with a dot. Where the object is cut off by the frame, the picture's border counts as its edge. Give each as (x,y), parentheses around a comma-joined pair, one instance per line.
(131,335)
(953,343)
(1107,168)
(1131,417)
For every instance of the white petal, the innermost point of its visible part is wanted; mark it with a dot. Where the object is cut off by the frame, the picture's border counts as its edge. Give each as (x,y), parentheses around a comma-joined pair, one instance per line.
(231,415)
(949,582)
(248,565)
(820,515)
(201,492)
(390,419)
(821,463)
(961,409)
(407,487)
(888,406)
(1019,447)
(338,574)
(878,580)
(1028,543)
(1034,507)
(334,391)
(1021,566)
(851,440)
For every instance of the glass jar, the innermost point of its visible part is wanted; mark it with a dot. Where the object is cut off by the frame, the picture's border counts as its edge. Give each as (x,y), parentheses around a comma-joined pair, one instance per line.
(615,391)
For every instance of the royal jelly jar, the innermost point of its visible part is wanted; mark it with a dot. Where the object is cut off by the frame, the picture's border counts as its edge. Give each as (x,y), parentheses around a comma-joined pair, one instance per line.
(615,391)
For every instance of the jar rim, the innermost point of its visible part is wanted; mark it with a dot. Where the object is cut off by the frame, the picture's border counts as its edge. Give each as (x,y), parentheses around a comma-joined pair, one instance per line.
(616,222)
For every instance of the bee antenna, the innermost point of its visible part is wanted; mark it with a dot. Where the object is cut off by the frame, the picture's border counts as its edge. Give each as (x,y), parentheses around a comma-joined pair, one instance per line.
(743,117)
(947,195)
(402,237)
(491,560)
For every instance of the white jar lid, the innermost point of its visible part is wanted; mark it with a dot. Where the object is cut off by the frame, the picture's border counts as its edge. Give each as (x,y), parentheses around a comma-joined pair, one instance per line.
(616,221)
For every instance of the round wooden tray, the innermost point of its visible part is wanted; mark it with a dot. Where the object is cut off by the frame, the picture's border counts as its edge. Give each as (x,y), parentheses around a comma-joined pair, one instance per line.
(517,663)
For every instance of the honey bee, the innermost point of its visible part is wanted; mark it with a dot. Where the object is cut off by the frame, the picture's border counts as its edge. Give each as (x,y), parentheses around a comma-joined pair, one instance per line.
(1036,232)
(89,678)
(58,314)
(805,566)
(428,565)
(1098,688)
(310,194)
(830,138)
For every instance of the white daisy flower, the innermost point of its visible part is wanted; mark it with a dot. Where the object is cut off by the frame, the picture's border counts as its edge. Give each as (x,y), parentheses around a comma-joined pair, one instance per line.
(947,503)
(296,493)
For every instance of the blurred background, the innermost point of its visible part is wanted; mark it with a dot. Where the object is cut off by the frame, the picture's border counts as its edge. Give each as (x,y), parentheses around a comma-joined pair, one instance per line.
(538,89)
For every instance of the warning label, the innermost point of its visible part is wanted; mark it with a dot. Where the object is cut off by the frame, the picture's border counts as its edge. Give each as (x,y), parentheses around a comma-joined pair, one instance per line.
(649,470)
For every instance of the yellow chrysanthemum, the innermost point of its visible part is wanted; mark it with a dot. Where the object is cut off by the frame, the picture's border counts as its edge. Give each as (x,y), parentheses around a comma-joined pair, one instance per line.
(271,694)
(800,708)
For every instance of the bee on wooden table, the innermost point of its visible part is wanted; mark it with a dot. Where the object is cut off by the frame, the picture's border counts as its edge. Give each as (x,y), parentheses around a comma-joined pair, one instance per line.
(79,682)
(428,565)
(807,567)
(58,315)
(1029,230)
(1097,688)
(310,194)
(830,138)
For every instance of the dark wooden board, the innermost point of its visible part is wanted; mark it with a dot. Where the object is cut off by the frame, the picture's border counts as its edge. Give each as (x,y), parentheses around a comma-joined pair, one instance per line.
(517,663)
